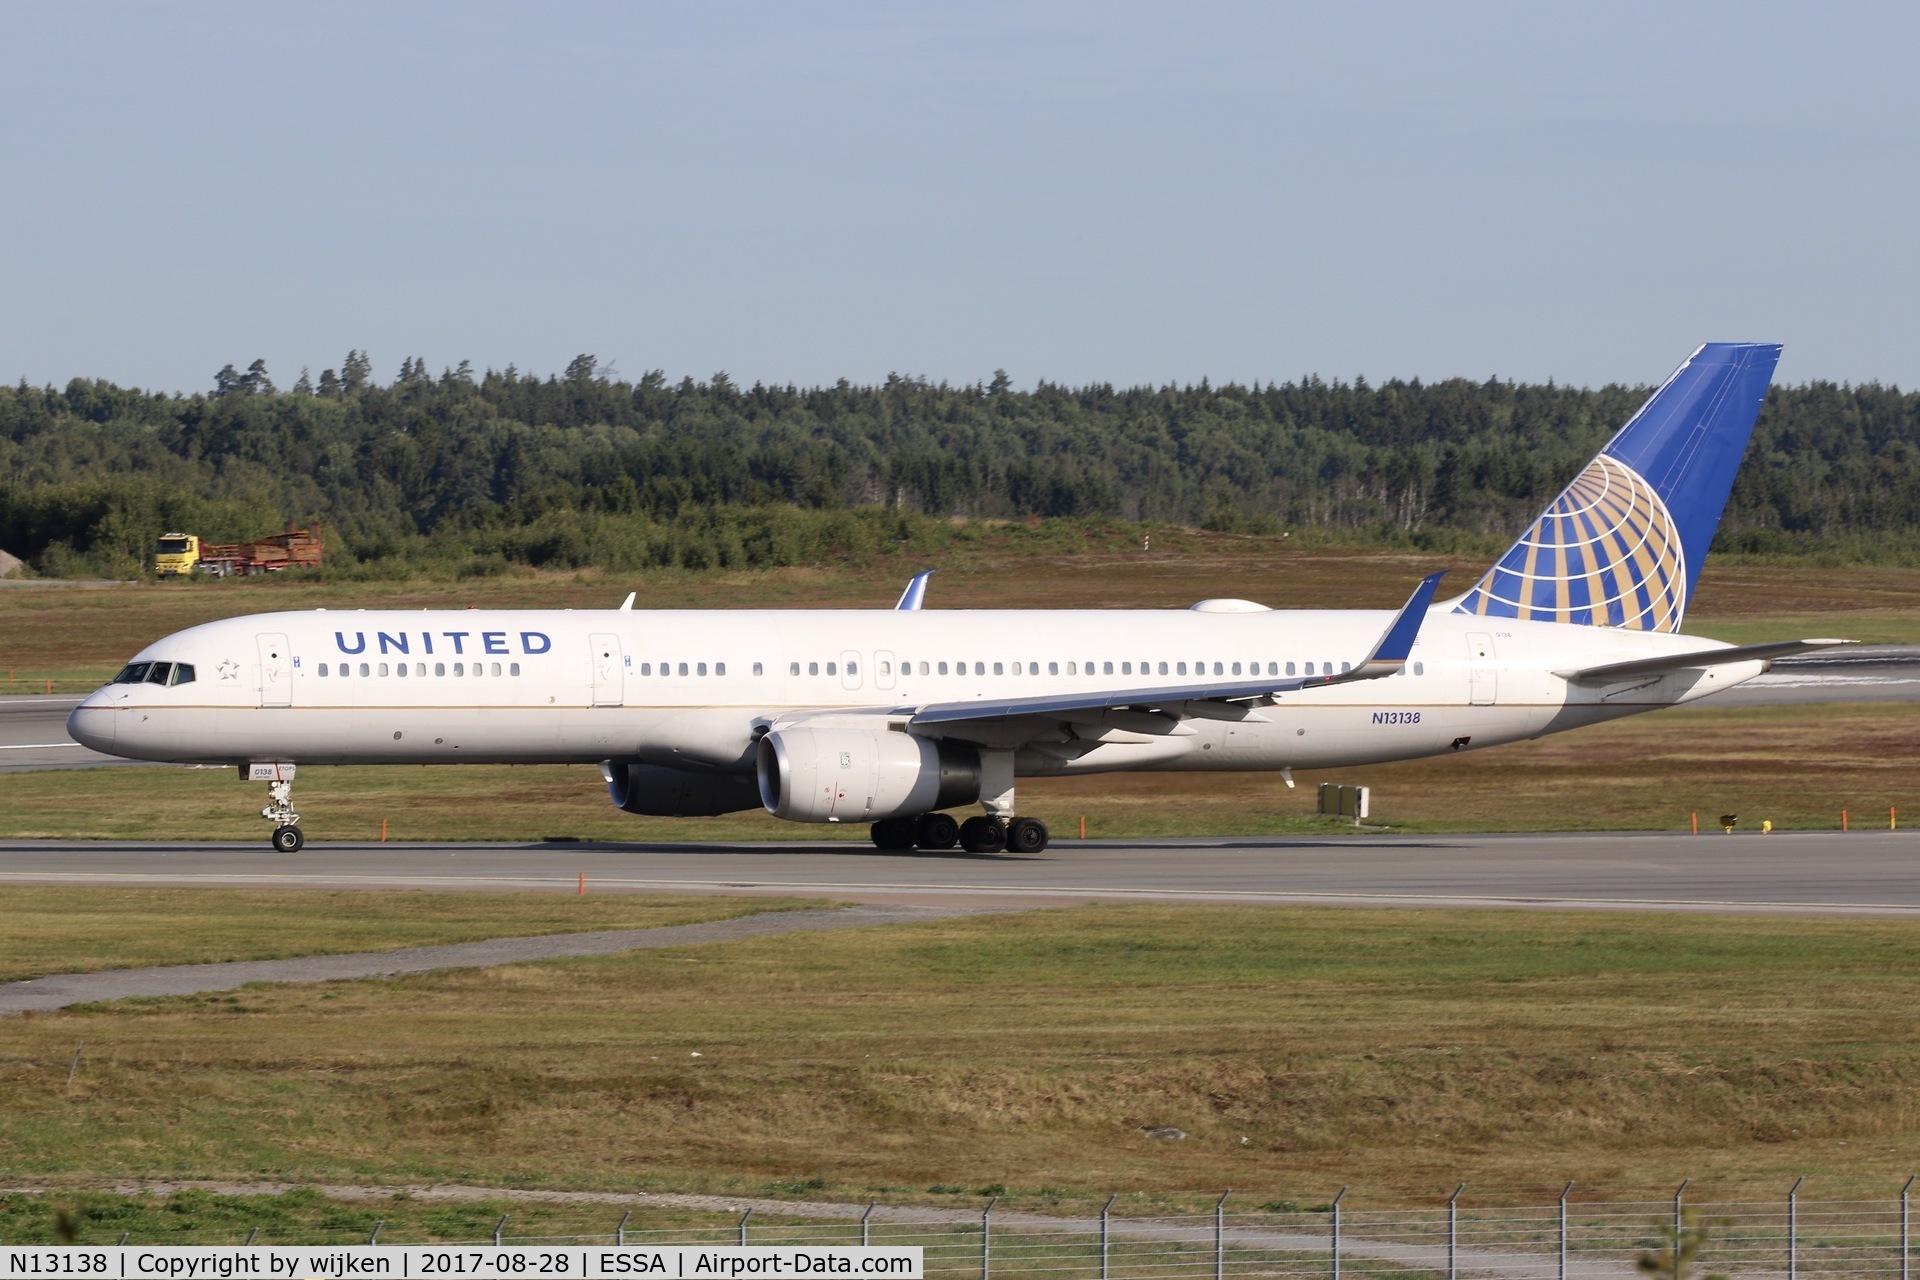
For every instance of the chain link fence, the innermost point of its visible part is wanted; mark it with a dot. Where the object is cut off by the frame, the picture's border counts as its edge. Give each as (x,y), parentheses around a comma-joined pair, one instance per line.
(1787,1239)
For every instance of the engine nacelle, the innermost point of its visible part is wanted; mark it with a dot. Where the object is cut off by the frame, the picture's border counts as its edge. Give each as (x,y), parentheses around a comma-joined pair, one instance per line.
(661,792)
(862,775)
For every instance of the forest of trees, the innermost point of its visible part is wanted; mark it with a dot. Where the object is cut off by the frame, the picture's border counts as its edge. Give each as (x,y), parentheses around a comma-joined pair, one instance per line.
(494,469)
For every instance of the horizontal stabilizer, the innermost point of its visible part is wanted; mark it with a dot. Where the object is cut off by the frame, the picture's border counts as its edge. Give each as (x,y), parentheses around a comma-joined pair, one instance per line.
(1699,658)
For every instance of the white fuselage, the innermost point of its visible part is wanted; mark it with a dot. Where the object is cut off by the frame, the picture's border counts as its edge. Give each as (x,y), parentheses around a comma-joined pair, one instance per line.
(690,688)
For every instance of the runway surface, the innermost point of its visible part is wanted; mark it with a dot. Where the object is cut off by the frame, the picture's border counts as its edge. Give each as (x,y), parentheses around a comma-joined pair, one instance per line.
(1803,873)
(33,729)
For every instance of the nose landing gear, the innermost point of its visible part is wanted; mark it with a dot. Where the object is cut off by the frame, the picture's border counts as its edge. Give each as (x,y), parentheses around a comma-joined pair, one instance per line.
(287,836)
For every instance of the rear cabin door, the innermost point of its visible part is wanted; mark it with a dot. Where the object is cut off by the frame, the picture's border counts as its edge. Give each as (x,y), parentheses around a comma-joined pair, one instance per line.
(276,671)
(609,676)
(1483,671)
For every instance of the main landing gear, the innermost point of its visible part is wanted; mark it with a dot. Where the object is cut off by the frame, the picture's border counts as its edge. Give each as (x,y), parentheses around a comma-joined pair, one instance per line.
(983,834)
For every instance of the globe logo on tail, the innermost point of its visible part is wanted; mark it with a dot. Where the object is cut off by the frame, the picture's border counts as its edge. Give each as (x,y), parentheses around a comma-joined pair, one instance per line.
(1605,554)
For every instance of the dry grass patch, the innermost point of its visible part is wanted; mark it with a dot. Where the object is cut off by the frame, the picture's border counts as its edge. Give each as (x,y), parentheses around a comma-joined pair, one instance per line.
(1301,1049)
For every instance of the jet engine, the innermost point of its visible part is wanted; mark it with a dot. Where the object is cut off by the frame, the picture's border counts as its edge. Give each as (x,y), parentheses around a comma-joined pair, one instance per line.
(862,775)
(661,792)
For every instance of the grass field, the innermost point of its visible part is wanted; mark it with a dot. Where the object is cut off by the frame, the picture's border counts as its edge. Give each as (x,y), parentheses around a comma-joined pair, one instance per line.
(76,930)
(305,1216)
(1797,765)
(78,636)
(1300,1049)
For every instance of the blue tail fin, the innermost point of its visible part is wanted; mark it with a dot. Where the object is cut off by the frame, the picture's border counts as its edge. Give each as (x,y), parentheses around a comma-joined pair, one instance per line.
(1623,544)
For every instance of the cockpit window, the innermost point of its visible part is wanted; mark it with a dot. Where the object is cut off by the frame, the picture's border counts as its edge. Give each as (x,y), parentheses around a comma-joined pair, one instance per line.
(166,673)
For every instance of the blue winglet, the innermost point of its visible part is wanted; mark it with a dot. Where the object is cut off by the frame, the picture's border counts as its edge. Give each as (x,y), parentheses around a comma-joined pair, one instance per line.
(916,593)
(1397,643)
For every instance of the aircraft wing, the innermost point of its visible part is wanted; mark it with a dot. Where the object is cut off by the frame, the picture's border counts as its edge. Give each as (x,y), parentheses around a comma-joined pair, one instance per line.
(1206,701)
(1699,658)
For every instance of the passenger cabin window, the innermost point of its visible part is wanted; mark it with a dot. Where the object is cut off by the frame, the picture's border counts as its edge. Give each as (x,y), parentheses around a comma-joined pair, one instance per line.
(646,668)
(514,669)
(793,668)
(363,668)
(323,669)
(700,668)
(853,668)
(756,669)
(383,668)
(813,668)
(460,668)
(496,668)
(719,668)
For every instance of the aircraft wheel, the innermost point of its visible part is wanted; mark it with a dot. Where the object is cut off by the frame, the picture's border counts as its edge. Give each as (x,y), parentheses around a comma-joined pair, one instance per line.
(983,835)
(894,833)
(1026,835)
(288,839)
(936,831)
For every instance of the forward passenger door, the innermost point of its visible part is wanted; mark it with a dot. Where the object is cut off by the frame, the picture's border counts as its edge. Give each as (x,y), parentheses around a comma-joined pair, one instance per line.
(609,670)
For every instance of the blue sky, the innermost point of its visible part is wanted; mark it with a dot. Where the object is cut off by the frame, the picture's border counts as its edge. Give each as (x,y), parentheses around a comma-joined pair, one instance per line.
(1080,192)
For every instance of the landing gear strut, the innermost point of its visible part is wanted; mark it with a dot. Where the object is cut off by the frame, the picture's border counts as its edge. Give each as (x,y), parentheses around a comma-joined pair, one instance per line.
(287,837)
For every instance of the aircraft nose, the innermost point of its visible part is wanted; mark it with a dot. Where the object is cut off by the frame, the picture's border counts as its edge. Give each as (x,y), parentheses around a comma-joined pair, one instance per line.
(93,724)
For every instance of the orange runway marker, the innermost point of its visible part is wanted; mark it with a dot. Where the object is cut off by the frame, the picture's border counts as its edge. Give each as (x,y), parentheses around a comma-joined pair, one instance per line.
(1696,822)
(383,831)
(582,890)
(1083,826)
(1843,819)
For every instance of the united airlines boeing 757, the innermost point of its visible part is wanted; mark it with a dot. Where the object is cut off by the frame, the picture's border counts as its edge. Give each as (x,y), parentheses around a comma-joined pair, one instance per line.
(893,716)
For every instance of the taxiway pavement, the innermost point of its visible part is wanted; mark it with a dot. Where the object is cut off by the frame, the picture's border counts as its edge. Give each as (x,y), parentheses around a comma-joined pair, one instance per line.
(1786,873)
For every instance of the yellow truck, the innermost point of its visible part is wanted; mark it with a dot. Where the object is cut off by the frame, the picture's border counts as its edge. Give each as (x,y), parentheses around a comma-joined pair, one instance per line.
(182,554)
(176,554)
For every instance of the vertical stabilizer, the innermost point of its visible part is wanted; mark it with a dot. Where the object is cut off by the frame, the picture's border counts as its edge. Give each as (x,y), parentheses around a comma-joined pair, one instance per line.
(1623,544)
